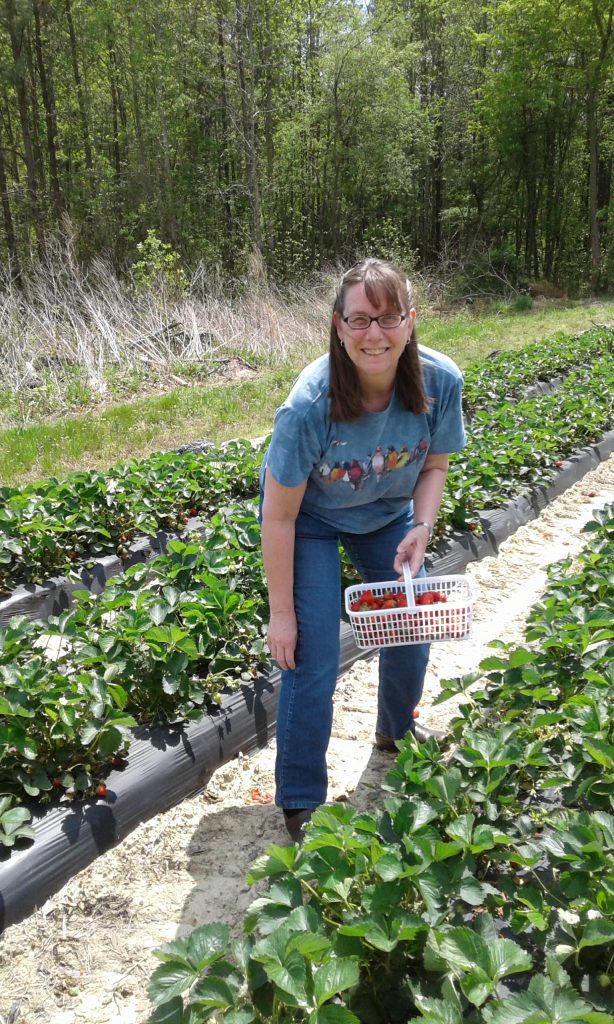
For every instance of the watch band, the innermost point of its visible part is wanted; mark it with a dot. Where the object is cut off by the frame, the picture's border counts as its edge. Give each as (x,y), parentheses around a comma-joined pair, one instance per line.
(428,526)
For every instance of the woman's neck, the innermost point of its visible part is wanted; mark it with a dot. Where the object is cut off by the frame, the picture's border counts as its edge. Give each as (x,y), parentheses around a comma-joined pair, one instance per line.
(377,399)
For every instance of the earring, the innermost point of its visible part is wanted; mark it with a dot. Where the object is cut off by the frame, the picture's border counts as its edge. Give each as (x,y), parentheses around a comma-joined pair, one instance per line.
(341,343)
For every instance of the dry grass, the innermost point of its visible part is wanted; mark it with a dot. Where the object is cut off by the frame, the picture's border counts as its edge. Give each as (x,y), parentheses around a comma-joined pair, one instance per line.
(70,321)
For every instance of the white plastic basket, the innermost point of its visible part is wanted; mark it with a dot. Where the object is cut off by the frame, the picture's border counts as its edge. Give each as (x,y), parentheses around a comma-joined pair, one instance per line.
(450,617)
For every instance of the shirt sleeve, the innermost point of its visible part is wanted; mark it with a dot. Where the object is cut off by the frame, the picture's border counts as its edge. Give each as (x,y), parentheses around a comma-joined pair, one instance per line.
(448,428)
(295,446)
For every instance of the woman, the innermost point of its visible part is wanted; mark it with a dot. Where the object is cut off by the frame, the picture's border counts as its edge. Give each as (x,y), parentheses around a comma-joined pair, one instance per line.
(358,456)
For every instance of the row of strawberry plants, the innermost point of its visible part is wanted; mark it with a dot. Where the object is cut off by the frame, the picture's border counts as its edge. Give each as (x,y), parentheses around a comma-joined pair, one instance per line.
(52,527)
(159,645)
(482,891)
(506,375)
(495,437)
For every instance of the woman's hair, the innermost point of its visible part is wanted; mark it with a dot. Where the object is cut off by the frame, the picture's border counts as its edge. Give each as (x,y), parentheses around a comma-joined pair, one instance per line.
(385,285)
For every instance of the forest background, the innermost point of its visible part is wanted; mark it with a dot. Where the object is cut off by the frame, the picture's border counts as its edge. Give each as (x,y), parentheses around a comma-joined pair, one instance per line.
(181,182)
(475,135)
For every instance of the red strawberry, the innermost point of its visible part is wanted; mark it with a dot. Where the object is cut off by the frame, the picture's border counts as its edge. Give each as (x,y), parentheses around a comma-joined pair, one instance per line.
(102,790)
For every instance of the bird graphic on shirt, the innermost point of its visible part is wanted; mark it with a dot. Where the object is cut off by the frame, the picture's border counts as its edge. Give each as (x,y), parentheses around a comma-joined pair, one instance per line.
(402,457)
(355,473)
(378,462)
(392,459)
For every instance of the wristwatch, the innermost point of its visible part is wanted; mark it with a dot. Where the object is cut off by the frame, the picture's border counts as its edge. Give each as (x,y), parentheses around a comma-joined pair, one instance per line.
(428,526)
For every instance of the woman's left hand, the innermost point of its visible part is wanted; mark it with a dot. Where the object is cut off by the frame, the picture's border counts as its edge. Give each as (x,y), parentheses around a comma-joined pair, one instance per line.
(412,549)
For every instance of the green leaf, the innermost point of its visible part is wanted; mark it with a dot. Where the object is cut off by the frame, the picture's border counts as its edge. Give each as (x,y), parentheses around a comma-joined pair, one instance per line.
(312,947)
(333,1014)
(213,993)
(389,867)
(290,977)
(507,957)
(334,977)
(462,828)
(170,1012)
(169,980)
(597,932)
(477,986)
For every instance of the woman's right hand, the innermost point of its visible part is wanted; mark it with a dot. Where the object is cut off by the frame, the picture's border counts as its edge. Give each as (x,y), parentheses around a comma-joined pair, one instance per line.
(281,638)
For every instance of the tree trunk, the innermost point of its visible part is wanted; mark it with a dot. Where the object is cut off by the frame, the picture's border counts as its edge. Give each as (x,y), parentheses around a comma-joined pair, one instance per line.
(115,147)
(245,69)
(225,170)
(74,57)
(267,60)
(16,33)
(9,228)
(48,93)
(593,178)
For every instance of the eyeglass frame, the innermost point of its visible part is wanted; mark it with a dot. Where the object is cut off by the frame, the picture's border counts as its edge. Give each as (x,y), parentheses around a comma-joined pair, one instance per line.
(371,319)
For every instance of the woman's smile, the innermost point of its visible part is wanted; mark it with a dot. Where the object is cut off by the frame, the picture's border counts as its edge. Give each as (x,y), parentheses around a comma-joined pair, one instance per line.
(374,350)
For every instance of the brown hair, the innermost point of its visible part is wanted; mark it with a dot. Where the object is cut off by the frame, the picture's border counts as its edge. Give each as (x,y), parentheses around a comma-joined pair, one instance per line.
(385,284)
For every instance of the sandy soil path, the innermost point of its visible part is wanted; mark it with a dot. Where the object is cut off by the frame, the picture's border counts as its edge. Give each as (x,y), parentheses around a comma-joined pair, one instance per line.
(86,956)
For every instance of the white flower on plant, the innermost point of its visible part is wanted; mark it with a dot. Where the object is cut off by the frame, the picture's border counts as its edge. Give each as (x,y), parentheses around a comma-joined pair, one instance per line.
(593,915)
(569,916)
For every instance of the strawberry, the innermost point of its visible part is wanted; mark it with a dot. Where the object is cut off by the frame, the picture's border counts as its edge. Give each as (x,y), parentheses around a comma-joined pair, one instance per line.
(193,512)
(102,790)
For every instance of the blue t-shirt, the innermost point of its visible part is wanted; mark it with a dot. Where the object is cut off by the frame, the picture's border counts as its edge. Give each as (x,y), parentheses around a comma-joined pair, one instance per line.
(361,475)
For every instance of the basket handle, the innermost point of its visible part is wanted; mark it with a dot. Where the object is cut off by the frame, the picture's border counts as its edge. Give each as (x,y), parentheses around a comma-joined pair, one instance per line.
(409,587)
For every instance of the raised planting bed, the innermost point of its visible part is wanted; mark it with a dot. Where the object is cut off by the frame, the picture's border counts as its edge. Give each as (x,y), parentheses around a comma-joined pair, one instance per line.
(470,896)
(100,644)
(178,763)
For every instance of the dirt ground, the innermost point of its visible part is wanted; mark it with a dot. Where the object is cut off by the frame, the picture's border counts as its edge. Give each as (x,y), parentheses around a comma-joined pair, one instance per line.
(86,956)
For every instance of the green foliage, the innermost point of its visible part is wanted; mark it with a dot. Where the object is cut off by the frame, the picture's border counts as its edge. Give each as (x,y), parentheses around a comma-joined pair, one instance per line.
(295,131)
(482,889)
(158,265)
(50,527)
(160,644)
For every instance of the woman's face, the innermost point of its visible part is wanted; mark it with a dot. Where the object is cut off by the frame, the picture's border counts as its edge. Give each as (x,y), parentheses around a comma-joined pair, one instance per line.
(374,350)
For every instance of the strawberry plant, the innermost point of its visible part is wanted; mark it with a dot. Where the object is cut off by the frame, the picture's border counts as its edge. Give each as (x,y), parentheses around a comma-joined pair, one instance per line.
(13,822)
(160,644)
(505,376)
(49,528)
(481,891)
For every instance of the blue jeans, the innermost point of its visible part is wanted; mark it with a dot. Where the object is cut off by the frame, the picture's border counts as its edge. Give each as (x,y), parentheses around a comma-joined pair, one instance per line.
(305,711)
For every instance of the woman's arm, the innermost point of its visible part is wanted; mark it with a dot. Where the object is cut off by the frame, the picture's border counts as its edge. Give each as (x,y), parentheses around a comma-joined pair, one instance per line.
(279,511)
(427,496)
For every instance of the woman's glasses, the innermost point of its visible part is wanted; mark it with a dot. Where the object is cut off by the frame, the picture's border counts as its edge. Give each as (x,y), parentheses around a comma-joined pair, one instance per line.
(360,321)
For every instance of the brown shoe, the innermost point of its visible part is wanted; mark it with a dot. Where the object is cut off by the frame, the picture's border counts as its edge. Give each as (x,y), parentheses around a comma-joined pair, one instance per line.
(386,743)
(295,823)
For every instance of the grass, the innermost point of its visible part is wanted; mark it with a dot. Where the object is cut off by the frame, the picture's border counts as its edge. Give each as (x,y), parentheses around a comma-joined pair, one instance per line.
(245,408)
